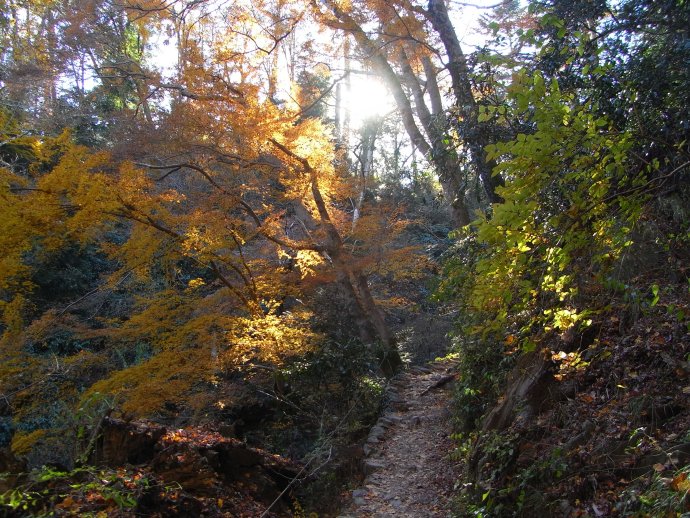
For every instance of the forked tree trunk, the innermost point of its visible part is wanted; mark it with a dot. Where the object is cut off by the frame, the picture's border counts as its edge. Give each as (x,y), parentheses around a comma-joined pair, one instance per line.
(371,326)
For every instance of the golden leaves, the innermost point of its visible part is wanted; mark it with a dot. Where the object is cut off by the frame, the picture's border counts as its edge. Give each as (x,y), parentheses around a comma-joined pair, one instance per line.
(269,338)
(307,261)
(166,377)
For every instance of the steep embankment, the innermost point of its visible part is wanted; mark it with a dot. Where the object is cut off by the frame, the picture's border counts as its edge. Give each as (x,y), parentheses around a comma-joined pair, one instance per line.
(597,426)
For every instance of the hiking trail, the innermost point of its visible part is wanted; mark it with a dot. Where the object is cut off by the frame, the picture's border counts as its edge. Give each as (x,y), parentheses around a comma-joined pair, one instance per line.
(407,465)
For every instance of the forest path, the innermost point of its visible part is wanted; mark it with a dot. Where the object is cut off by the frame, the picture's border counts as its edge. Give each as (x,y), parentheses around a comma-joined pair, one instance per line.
(408,465)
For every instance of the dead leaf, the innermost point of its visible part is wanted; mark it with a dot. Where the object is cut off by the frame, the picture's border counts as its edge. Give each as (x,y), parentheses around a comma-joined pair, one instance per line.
(681,483)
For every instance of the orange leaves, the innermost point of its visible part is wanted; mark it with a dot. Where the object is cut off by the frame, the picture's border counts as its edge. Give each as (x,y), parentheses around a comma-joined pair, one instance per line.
(681,483)
(197,437)
(167,377)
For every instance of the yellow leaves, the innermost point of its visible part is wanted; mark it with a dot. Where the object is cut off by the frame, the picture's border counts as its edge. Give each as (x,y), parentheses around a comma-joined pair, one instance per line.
(396,303)
(166,378)
(269,339)
(560,285)
(405,263)
(195,283)
(12,314)
(22,442)
(198,240)
(310,141)
(568,363)
(563,319)
(307,261)
(142,251)
(191,349)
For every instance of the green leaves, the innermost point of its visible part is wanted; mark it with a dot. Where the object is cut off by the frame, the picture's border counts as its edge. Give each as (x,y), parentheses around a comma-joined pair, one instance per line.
(559,208)
(655,295)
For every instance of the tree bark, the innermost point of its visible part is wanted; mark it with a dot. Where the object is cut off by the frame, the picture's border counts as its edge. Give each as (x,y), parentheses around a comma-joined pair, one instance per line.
(474,133)
(434,126)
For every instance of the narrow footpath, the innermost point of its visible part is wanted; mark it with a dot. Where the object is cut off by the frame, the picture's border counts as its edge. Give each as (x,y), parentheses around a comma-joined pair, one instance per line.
(408,468)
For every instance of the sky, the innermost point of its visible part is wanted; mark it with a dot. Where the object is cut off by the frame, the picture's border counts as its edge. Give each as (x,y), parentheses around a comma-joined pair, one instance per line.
(370,98)
(465,17)
(370,95)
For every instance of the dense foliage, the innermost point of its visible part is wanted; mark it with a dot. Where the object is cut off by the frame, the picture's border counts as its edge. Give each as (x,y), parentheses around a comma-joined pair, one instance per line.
(593,230)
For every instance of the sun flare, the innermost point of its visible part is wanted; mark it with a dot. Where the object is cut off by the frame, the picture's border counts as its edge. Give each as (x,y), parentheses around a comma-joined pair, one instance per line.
(369,98)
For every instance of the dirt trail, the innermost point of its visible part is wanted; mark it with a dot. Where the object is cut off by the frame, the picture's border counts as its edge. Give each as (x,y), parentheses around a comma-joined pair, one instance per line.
(409,472)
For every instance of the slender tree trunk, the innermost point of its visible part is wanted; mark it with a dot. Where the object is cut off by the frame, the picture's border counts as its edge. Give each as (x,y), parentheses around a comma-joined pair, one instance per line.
(430,148)
(389,357)
(345,135)
(371,325)
(144,101)
(337,117)
(368,133)
(474,133)
(447,166)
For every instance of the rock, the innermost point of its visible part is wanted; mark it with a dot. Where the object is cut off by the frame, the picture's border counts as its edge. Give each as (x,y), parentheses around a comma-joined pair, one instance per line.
(371,465)
(377,432)
(359,496)
(385,422)
(126,442)
(424,498)
(394,398)
(11,467)
(198,460)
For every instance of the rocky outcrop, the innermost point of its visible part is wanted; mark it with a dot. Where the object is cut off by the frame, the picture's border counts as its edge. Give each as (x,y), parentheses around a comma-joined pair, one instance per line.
(207,466)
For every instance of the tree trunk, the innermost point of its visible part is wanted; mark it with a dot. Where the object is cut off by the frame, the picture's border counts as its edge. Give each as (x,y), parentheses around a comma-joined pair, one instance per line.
(441,161)
(371,325)
(369,133)
(369,320)
(473,131)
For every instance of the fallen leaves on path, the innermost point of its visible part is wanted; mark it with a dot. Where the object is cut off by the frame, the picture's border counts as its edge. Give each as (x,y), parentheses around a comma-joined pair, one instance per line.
(409,468)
